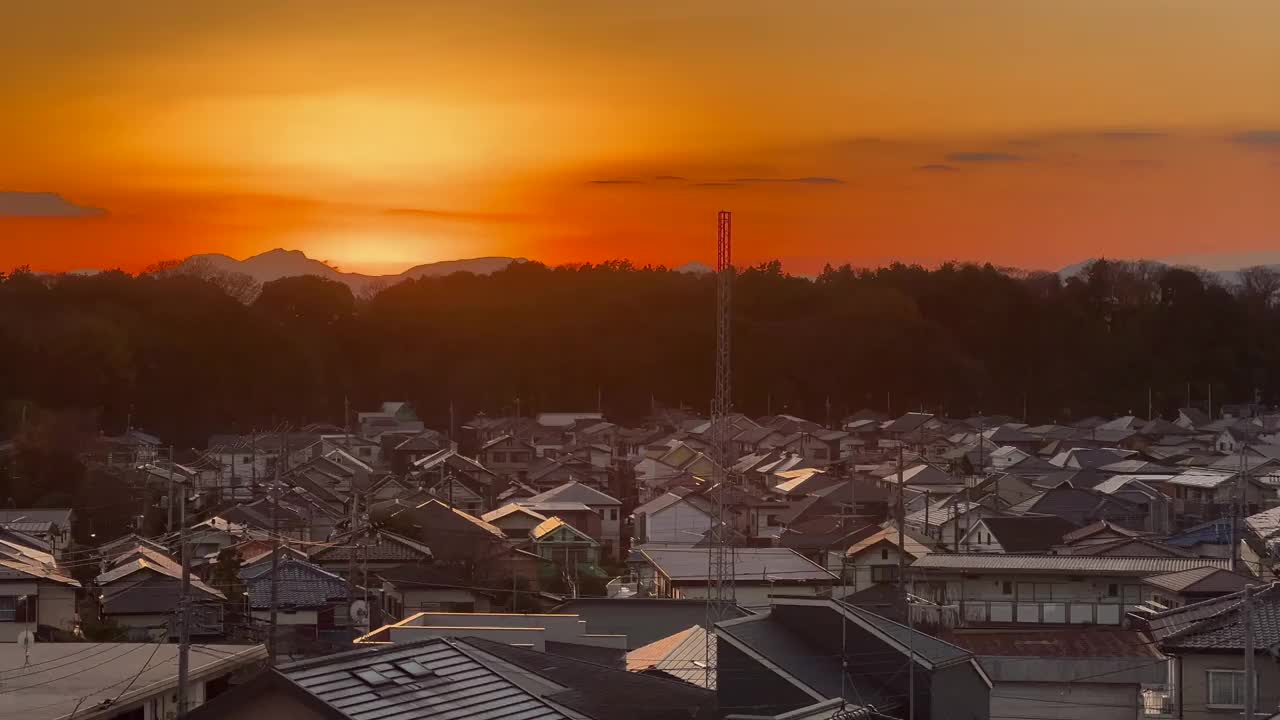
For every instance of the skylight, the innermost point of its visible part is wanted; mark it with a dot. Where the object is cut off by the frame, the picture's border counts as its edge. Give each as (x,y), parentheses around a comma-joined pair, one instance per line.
(373,678)
(416,669)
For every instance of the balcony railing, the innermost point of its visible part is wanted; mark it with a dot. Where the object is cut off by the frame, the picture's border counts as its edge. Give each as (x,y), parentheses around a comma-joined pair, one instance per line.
(983,612)
(1157,702)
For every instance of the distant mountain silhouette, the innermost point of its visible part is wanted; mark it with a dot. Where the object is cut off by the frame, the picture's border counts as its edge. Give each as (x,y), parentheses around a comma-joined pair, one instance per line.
(280,263)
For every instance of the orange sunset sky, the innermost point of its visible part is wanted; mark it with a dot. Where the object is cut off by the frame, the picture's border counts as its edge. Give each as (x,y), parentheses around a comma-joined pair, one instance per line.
(379,134)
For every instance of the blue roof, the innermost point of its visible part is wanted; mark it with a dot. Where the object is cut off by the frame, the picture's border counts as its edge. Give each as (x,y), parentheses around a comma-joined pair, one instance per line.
(1216,532)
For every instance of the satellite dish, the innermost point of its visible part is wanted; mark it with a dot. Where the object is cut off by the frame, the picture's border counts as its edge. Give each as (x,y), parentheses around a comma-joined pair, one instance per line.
(26,639)
(360,613)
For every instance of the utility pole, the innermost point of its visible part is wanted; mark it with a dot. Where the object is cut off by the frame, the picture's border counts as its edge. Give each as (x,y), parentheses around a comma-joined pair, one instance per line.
(1210,402)
(1238,501)
(169,523)
(1149,410)
(1246,615)
(275,555)
(184,608)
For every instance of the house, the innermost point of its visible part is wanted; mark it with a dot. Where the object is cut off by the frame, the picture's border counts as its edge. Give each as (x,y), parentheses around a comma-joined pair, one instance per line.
(398,417)
(142,594)
(116,680)
(52,526)
(676,572)
(1203,495)
(874,560)
(1082,507)
(1207,643)
(444,678)
(382,549)
(608,508)
(34,591)
(574,553)
(802,651)
(672,518)
(514,520)
(312,606)
(1192,418)
(507,455)
(561,635)
(988,588)
(412,588)
(449,474)
(1067,673)
(1101,532)
(1186,587)
(948,520)
(1210,539)
(1016,534)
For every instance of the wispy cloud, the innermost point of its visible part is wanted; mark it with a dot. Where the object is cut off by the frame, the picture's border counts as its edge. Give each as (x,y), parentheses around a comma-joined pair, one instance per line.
(938,167)
(43,205)
(1257,138)
(1130,135)
(984,156)
(810,180)
(456,215)
(616,181)
(716,184)
(668,178)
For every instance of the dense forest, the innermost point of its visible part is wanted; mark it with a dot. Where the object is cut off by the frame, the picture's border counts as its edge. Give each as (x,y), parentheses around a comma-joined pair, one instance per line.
(183,353)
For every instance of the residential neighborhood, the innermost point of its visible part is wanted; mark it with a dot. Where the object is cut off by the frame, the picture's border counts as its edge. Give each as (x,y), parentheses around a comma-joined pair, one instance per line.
(902,567)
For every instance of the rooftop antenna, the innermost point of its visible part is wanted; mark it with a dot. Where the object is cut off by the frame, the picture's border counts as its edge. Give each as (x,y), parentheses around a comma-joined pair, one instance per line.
(720,552)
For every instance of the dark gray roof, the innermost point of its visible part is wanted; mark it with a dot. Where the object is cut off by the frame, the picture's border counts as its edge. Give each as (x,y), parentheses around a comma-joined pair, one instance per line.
(643,620)
(752,565)
(931,648)
(574,491)
(1224,631)
(604,692)
(1028,533)
(300,585)
(455,685)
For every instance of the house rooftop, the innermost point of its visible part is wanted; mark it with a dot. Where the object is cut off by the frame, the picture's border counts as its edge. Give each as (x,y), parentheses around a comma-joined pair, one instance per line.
(763,565)
(1073,564)
(83,678)
(1027,533)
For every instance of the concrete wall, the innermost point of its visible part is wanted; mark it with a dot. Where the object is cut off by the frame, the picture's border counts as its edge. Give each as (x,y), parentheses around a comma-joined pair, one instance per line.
(55,606)
(284,617)
(1192,679)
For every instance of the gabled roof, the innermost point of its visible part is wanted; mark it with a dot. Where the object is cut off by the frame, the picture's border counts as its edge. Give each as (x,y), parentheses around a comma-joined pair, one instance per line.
(910,422)
(1200,580)
(1224,631)
(914,547)
(676,655)
(511,509)
(554,524)
(1027,533)
(165,569)
(1099,527)
(300,585)
(573,491)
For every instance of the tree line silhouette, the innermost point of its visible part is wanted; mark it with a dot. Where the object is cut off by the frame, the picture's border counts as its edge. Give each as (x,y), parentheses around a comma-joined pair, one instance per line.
(185,353)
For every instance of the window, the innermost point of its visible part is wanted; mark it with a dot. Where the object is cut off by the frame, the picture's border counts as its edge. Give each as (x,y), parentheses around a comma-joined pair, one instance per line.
(499,457)
(18,608)
(246,459)
(1226,688)
(613,513)
(884,553)
(1113,590)
(884,573)
(1006,588)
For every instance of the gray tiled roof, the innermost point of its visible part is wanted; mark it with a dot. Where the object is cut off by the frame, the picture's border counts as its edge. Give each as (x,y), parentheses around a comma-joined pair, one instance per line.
(1076,564)
(1224,631)
(751,564)
(300,585)
(573,491)
(457,685)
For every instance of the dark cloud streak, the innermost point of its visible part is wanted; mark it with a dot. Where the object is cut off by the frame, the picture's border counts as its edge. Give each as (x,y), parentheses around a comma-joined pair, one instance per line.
(43,205)
(984,156)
